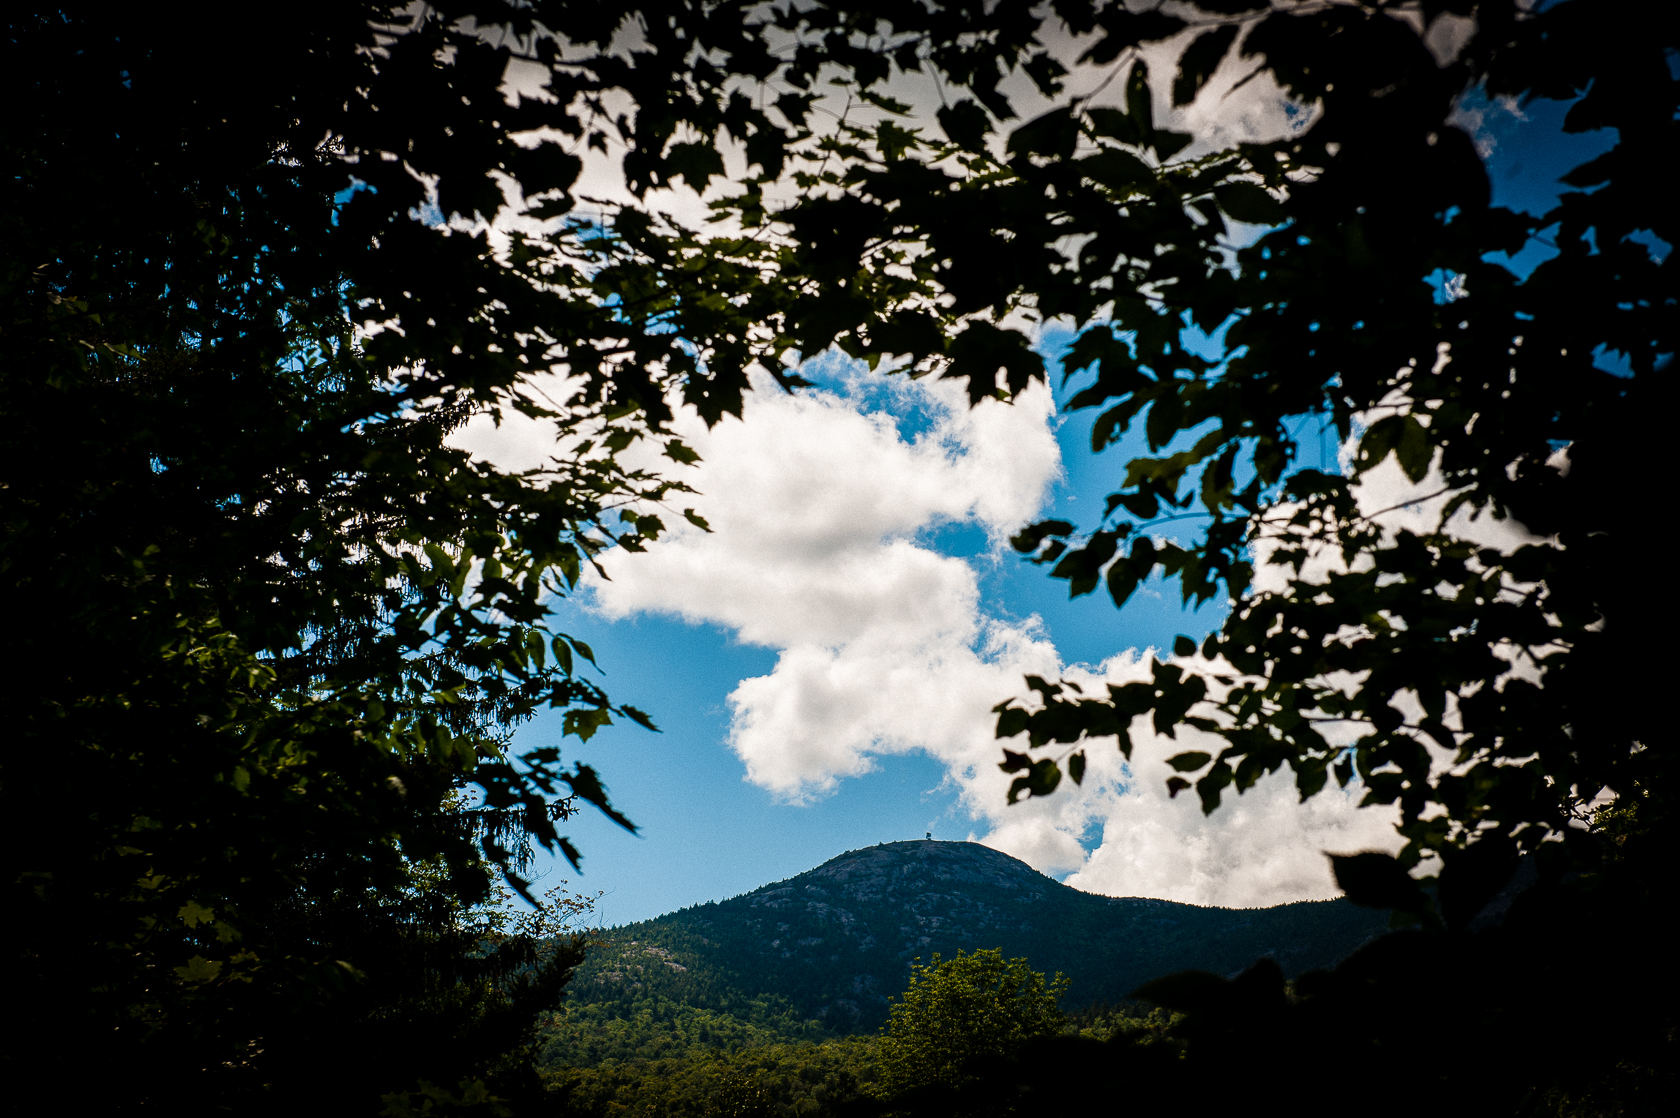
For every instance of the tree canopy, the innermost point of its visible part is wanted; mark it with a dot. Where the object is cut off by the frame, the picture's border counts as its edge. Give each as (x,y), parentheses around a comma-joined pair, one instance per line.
(272,628)
(957,1015)
(1496,396)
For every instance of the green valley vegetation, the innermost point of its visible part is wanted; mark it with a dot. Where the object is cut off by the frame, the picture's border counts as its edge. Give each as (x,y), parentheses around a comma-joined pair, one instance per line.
(672,1059)
(818,990)
(774,1079)
(961,1014)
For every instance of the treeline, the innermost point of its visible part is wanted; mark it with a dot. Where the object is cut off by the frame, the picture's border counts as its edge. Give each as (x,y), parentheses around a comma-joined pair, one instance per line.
(782,1079)
(669,1059)
(597,1035)
(662,961)
(655,1056)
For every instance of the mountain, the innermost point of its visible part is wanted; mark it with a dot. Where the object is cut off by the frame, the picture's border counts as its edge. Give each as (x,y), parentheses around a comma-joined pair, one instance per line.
(833,943)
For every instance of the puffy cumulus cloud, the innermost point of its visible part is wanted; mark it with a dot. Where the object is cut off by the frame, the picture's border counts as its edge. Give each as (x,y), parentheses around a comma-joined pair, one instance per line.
(1261,848)
(823,713)
(821,505)
(819,511)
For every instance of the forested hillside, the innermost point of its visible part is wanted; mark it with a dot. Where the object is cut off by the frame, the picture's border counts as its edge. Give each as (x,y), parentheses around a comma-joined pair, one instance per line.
(832,944)
(770,1000)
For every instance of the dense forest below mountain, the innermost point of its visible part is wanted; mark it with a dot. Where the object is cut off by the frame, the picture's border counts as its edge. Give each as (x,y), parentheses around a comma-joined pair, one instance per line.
(779,992)
(830,945)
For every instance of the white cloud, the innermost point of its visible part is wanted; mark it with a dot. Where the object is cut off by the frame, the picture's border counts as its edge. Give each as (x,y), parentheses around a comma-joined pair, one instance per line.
(817,512)
(820,510)
(1263,847)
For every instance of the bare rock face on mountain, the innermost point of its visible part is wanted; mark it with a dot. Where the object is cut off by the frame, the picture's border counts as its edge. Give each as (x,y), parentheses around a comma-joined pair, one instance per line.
(836,941)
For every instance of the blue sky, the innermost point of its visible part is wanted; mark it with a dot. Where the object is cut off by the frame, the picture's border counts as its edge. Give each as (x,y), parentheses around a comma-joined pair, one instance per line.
(706,832)
(793,730)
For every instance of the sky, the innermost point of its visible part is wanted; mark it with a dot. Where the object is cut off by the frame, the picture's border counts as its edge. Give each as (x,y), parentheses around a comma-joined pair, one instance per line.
(822,665)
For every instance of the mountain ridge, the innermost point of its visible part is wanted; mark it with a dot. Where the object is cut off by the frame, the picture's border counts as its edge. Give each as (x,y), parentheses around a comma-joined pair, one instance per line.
(833,943)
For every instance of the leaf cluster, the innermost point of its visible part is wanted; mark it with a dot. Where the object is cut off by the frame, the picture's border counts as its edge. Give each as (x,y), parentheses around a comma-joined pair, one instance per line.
(960,1014)
(772,1080)
(1310,257)
(1405,646)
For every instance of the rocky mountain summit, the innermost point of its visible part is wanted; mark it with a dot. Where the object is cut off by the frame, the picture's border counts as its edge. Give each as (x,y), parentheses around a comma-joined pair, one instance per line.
(834,942)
